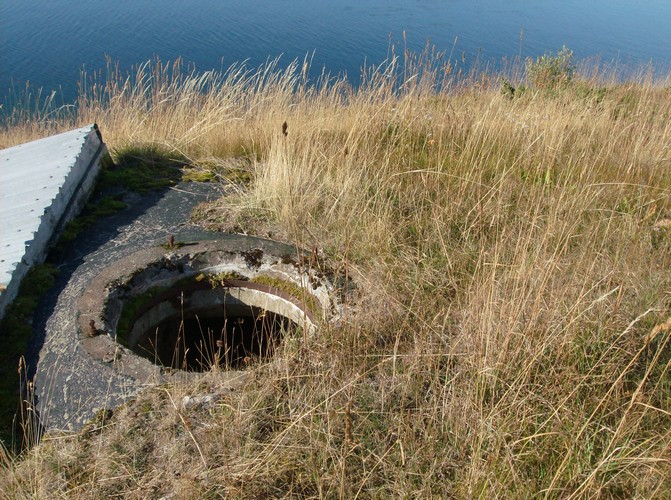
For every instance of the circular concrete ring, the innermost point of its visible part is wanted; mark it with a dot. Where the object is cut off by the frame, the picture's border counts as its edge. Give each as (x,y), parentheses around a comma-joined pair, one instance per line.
(209,274)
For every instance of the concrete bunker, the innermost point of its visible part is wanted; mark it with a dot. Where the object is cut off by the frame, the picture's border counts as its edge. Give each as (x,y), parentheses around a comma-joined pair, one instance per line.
(193,325)
(224,332)
(200,306)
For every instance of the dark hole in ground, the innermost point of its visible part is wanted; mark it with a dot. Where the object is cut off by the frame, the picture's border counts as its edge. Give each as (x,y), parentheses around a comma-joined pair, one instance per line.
(202,338)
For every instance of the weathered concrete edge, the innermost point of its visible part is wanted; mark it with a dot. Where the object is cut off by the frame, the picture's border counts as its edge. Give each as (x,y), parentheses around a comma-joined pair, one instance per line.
(71,198)
(104,347)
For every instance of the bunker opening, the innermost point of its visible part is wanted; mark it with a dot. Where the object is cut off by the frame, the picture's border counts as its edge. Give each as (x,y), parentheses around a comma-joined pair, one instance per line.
(196,327)
(227,336)
(200,307)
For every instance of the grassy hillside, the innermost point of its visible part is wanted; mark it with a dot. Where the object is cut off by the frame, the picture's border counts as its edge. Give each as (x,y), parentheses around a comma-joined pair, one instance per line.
(511,246)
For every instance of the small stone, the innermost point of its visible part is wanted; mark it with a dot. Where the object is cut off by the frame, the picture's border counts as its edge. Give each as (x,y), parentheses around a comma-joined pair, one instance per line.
(206,401)
(111,356)
(93,331)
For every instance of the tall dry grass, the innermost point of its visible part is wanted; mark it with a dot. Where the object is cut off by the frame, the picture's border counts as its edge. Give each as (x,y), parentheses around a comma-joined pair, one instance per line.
(512,255)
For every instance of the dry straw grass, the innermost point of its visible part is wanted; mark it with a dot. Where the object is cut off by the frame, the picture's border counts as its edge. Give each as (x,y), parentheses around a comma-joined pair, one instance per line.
(511,334)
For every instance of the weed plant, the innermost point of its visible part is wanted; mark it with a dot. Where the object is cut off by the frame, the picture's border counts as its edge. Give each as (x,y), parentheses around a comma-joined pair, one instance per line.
(512,256)
(550,72)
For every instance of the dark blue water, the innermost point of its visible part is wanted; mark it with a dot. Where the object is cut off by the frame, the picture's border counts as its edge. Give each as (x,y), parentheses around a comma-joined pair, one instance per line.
(49,42)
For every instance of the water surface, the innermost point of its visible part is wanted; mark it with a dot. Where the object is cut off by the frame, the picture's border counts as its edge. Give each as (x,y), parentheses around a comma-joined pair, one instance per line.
(49,42)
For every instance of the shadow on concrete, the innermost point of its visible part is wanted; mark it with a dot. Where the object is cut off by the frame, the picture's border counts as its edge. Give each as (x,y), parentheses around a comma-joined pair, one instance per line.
(151,204)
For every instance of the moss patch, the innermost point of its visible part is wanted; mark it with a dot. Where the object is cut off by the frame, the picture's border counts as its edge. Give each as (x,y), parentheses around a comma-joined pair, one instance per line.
(220,279)
(292,289)
(15,332)
(143,168)
(210,172)
(138,168)
(196,175)
(238,176)
(105,207)
(131,307)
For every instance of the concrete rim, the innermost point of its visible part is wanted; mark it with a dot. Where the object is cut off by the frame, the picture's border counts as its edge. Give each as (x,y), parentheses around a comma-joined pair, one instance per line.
(97,333)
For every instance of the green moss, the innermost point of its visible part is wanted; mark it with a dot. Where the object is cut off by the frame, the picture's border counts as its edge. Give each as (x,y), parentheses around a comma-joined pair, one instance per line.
(15,332)
(238,176)
(220,279)
(18,315)
(291,289)
(234,175)
(131,306)
(195,175)
(143,168)
(105,207)
(139,168)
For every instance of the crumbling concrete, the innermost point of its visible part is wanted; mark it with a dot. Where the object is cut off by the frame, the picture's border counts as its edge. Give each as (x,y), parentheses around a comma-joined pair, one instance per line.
(77,369)
(190,271)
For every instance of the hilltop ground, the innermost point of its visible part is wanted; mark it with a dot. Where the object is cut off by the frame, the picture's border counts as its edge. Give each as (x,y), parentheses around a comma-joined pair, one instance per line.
(511,245)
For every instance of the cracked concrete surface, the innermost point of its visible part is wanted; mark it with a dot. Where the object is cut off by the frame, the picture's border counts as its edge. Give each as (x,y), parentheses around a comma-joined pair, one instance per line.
(70,385)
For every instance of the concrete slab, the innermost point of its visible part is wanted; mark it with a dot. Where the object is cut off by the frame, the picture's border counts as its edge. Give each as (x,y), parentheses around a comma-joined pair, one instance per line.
(43,184)
(70,384)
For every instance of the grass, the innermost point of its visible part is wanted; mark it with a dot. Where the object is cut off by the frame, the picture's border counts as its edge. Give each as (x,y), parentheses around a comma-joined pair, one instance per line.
(510,336)
(15,332)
